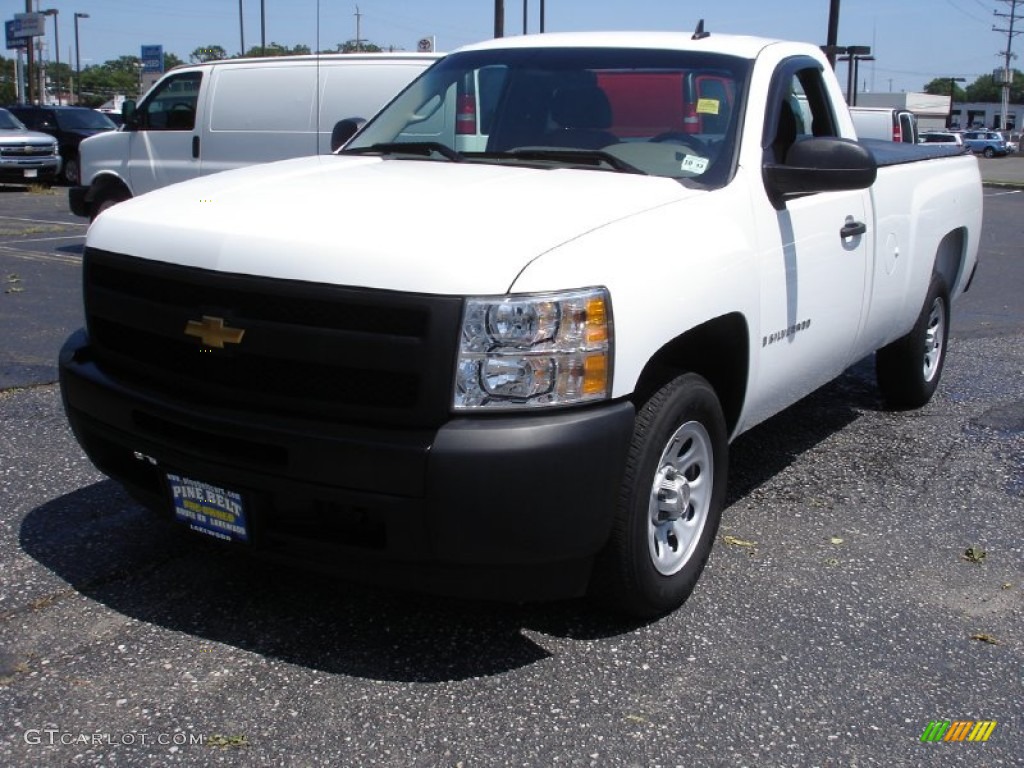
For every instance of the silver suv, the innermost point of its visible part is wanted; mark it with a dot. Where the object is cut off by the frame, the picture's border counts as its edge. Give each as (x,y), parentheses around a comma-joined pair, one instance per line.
(26,157)
(988,143)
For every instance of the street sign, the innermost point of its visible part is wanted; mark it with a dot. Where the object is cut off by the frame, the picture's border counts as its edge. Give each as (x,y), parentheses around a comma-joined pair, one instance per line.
(14,41)
(152,59)
(425,45)
(29,24)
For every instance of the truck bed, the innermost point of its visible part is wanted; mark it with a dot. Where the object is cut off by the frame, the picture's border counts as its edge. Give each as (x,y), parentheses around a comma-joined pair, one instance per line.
(895,153)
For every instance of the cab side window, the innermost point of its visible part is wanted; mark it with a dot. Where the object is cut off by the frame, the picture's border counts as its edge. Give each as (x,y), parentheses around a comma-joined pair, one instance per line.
(802,110)
(172,105)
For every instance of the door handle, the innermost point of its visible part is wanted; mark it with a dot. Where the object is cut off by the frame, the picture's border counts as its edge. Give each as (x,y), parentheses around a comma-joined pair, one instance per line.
(195,147)
(852,229)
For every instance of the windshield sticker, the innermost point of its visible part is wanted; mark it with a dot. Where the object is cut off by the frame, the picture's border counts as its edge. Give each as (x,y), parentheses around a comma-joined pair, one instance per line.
(694,164)
(708,106)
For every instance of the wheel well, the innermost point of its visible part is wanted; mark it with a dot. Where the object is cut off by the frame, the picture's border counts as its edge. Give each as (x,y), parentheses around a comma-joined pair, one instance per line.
(106,186)
(718,350)
(949,258)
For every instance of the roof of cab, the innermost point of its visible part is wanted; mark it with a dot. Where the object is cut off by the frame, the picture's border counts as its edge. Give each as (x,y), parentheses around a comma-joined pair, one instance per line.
(735,45)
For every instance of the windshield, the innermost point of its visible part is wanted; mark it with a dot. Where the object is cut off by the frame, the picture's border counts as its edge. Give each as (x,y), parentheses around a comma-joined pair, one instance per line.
(9,122)
(84,120)
(659,112)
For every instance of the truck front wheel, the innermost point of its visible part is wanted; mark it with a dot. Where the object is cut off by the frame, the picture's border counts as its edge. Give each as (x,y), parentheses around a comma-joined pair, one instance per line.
(106,200)
(909,369)
(670,502)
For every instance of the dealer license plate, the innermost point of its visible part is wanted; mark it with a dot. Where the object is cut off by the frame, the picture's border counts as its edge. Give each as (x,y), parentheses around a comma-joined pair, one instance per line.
(208,509)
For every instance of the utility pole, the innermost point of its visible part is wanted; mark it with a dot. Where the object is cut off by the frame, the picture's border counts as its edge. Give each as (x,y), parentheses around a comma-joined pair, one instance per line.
(1007,57)
(359,33)
(30,71)
(499,17)
(833,32)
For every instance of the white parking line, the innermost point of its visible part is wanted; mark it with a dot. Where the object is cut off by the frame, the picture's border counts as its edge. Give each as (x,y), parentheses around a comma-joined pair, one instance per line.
(62,258)
(46,221)
(48,239)
(1002,194)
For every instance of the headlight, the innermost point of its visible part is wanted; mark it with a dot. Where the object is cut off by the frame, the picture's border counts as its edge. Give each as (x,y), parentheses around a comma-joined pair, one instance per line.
(534,350)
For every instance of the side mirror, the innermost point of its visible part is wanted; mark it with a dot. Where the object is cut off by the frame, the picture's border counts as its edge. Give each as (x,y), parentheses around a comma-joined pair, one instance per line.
(820,164)
(345,130)
(128,113)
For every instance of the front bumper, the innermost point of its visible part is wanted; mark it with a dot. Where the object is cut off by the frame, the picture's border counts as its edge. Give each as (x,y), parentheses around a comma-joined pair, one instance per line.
(512,507)
(29,171)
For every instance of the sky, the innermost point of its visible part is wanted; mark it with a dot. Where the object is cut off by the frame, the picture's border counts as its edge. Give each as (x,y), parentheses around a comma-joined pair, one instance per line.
(914,41)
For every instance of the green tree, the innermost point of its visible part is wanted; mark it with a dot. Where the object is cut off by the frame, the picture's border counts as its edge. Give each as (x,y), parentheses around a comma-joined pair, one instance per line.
(207,53)
(117,76)
(8,90)
(276,49)
(365,46)
(940,87)
(171,61)
(986,89)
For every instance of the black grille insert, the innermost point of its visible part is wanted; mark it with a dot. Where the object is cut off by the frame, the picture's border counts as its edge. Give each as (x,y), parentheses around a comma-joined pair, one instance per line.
(308,350)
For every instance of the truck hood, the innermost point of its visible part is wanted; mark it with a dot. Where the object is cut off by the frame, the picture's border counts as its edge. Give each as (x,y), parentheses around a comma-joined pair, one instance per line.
(410,225)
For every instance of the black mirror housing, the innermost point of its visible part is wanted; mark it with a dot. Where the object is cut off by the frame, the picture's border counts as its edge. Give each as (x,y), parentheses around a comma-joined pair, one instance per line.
(128,112)
(820,164)
(345,130)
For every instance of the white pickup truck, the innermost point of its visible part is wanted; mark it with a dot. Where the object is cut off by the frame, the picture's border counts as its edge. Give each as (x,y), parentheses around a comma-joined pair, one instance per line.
(498,344)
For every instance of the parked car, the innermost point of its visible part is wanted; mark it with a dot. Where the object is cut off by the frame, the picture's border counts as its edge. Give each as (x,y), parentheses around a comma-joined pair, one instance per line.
(113,114)
(212,117)
(1012,141)
(940,137)
(539,403)
(987,143)
(26,156)
(885,123)
(69,125)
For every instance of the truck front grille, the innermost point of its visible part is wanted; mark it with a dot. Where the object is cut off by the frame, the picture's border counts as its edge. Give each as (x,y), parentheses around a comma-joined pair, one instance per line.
(26,150)
(308,349)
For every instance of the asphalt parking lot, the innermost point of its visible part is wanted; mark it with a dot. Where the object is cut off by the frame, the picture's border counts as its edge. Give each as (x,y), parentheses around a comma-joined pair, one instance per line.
(868,580)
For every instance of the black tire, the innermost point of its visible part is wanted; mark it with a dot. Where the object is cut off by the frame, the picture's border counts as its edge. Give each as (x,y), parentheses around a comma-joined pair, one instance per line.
(70,172)
(105,201)
(909,369)
(989,152)
(661,539)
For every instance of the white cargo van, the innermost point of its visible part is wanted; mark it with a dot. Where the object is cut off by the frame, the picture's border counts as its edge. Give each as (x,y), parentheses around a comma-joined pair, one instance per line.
(885,123)
(205,118)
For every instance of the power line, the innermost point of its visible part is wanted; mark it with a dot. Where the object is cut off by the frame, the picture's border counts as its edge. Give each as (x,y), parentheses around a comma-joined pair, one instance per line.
(1007,56)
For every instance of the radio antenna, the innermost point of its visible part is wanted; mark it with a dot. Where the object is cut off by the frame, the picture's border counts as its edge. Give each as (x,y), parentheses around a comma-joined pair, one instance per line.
(699,33)
(316,98)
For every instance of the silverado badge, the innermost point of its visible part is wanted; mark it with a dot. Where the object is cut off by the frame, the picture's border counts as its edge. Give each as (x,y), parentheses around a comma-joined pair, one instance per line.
(213,333)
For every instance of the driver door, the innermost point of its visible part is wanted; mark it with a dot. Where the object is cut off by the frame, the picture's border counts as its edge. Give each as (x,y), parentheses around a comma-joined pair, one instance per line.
(164,136)
(816,254)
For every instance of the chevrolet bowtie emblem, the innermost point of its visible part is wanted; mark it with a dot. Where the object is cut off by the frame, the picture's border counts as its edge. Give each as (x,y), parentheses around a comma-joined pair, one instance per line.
(213,333)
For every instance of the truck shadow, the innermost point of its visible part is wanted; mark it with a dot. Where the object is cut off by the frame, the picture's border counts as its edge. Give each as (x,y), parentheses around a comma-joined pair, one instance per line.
(112,551)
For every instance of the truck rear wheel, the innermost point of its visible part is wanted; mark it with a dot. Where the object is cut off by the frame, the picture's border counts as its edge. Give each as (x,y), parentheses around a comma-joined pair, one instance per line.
(670,501)
(909,369)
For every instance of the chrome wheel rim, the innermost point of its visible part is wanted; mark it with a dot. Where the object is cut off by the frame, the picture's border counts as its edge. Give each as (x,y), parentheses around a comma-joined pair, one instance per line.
(680,498)
(934,335)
